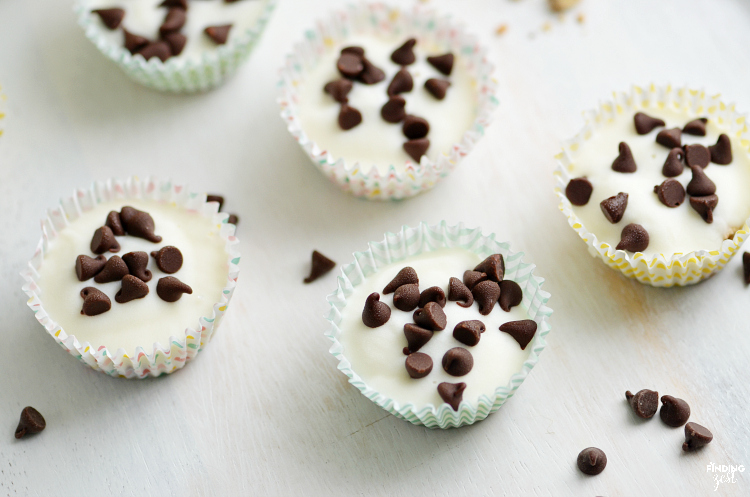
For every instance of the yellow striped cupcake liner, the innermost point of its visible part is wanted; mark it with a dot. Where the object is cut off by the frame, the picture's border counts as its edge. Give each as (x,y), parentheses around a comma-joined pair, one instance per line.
(662,270)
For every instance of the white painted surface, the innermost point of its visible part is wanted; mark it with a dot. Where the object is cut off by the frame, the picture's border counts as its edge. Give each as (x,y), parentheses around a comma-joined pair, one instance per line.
(263,411)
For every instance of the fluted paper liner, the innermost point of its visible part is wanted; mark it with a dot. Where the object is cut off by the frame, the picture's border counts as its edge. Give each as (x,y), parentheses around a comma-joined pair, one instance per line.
(410,242)
(663,270)
(162,358)
(3,106)
(365,180)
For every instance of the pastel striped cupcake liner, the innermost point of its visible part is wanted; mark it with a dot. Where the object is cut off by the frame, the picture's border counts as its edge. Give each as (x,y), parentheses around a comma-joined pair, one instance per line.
(163,358)
(412,241)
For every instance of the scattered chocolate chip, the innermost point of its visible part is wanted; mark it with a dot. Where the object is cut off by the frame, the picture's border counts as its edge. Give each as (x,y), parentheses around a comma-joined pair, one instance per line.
(486,294)
(31,422)
(114,269)
(721,153)
(696,436)
(103,241)
(170,289)
(614,207)
(696,127)
(697,155)
(175,3)
(674,412)
(417,148)
(173,21)
(510,295)
(493,266)
(432,294)
(394,110)
(624,163)
(746,267)
(137,262)
(404,277)
(418,365)
(132,288)
(437,87)
(218,34)
(522,331)
(158,49)
(460,293)
(94,301)
(216,198)
(674,166)
(349,117)
(176,42)
(339,90)
(358,51)
(671,192)
(113,221)
(469,332)
(669,138)
(371,74)
(443,63)
(402,83)
(633,238)
(233,219)
(350,65)
(645,402)
(112,18)
(705,206)
(404,55)
(415,127)
(134,42)
(458,361)
(416,337)
(431,316)
(701,185)
(579,191)
(591,461)
(452,393)
(406,297)
(375,313)
(644,123)
(138,223)
(471,278)
(320,265)
(88,267)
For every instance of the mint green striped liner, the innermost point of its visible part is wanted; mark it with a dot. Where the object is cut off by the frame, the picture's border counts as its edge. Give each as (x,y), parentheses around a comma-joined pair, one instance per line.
(177,74)
(412,241)
(163,358)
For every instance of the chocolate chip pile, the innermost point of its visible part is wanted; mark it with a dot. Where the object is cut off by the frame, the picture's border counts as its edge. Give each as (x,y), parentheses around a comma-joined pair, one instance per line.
(170,40)
(702,191)
(484,285)
(130,269)
(355,67)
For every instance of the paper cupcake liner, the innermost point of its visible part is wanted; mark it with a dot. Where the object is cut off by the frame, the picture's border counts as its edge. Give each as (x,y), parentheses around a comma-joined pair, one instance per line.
(3,106)
(162,358)
(664,270)
(363,180)
(181,75)
(410,242)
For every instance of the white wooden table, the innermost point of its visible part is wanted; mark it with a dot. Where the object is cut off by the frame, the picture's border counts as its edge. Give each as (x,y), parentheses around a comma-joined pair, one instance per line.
(277,418)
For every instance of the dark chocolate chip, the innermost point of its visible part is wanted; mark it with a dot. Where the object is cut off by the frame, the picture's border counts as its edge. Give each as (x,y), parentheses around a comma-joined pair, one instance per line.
(416,337)
(493,266)
(176,42)
(696,127)
(339,90)
(669,138)
(469,332)
(375,312)
(510,295)
(88,267)
(233,219)
(671,192)
(394,110)
(432,294)
(674,166)
(114,269)
(697,155)
(183,4)
(624,163)
(522,331)
(350,65)
(137,262)
(320,265)
(358,51)
(349,117)
(696,436)
(94,301)
(134,42)
(746,267)
(113,221)
(404,55)
(31,422)
(674,412)
(443,63)
(418,365)
(458,361)
(112,18)
(417,148)
(614,207)
(437,87)
(138,223)
(402,83)
(406,297)
(471,278)
(219,34)
(460,293)
(158,49)
(404,277)
(721,153)
(431,316)
(705,206)
(633,238)
(701,185)
(579,191)
(452,393)
(132,288)
(645,402)
(170,289)
(371,74)
(486,294)
(216,198)
(103,241)
(415,127)
(644,123)
(173,21)
(591,461)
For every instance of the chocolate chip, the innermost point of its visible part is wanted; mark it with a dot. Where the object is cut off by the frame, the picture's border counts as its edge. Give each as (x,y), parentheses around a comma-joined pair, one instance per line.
(158,49)
(469,332)
(624,163)
(137,262)
(614,207)
(696,436)
(406,297)
(358,51)
(94,301)
(375,313)
(103,241)
(486,294)
(670,138)
(132,288)
(216,198)
(644,403)
(431,317)
(522,331)
(671,192)
(416,337)
(402,83)
(633,238)
(233,219)
(404,55)
(701,185)
(493,266)
(644,123)
(443,63)
(471,278)
(674,412)
(176,42)
(31,422)
(173,21)
(579,191)
(432,294)
(417,148)
(218,34)
(415,127)
(339,90)
(138,223)
(674,166)
(114,269)
(320,265)
(437,87)
(591,461)
(746,267)
(418,365)
(705,206)
(112,18)
(696,127)
(452,393)
(404,277)
(510,295)
(460,293)
(394,110)
(170,289)
(113,221)
(458,361)
(88,267)
(134,42)
(697,155)
(176,3)
(371,74)
(721,153)
(350,65)
(349,117)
